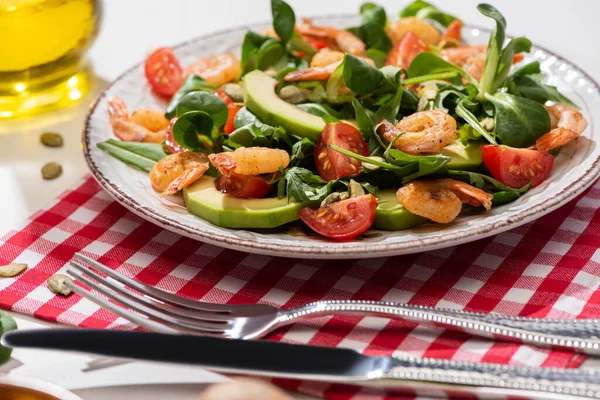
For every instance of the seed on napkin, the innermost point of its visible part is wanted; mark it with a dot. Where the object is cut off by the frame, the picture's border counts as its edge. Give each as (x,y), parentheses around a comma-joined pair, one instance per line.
(51,139)
(56,283)
(10,270)
(52,170)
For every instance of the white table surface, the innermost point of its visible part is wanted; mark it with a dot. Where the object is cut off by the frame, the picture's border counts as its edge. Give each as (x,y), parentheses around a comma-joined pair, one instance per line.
(132,28)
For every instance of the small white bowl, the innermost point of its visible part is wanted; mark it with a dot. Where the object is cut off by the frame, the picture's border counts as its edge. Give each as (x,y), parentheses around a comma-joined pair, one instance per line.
(35,389)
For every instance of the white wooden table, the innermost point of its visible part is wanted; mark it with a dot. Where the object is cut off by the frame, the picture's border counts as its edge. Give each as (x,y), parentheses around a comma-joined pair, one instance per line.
(131,29)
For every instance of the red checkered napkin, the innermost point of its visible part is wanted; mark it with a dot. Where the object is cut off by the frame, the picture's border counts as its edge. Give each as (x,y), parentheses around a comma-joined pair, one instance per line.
(548,268)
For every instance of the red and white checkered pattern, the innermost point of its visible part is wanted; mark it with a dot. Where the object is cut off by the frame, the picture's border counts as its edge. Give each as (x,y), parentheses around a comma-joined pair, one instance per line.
(548,268)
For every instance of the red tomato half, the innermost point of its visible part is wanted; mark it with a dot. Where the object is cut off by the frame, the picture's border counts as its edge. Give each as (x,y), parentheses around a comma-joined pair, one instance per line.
(405,50)
(243,186)
(231,107)
(454,31)
(517,167)
(333,165)
(345,219)
(170,142)
(163,71)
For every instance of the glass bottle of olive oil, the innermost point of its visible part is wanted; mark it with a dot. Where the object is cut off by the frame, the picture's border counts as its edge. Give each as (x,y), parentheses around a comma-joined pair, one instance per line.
(42,43)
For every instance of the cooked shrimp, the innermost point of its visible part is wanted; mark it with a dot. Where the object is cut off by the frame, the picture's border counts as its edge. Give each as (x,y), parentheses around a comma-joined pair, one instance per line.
(337,39)
(216,70)
(250,161)
(441,200)
(145,126)
(425,132)
(326,57)
(424,31)
(567,124)
(471,58)
(176,171)
(319,73)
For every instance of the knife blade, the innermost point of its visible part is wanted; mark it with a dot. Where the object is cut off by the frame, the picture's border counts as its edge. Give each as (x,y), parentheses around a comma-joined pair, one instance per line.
(429,377)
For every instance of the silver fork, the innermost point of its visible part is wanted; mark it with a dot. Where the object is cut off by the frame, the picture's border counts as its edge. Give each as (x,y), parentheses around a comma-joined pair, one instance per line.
(161,311)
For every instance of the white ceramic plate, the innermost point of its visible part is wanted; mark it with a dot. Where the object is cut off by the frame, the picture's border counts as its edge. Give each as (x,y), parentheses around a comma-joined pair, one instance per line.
(576,168)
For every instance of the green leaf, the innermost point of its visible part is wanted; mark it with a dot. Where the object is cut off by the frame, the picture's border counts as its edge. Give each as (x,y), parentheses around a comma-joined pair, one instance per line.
(378,56)
(363,120)
(360,76)
(422,9)
(257,133)
(7,323)
(429,63)
(207,102)
(413,8)
(502,193)
(467,133)
(436,15)
(302,185)
(193,83)
(425,165)
(336,90)
(253,43)
(142,156)
(243,117)
(190,126)
(320,110)
(495,44)
(302,150)
(296,43)
(389,111)
(269,53)
(530,88)
(372,28)
(284,20)
(515,46)
(384,165)
(519,121)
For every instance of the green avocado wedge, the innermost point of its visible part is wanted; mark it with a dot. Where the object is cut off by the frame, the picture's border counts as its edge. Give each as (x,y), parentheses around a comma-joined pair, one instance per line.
(205,201)
(391,215)
(463,157)
(260,98)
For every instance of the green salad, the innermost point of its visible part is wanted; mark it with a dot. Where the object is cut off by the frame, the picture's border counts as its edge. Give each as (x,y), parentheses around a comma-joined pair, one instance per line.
(386,125)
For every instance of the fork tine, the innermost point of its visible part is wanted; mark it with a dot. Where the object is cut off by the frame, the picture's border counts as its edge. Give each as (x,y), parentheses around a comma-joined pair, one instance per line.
(190,327)
(120,311)
(159,294)
(149,302)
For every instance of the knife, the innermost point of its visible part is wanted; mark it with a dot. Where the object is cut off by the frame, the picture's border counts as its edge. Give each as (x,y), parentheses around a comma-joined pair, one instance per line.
(429,377)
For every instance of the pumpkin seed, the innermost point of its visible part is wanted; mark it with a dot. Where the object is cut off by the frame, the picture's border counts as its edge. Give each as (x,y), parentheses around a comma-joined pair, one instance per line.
(10,270)
(355,189)
(428,93)
(56,283)
(294,94)
(52,170)
(449,43)
(334,198)
(488,124)
(51,139)
(373,167)
(234,92)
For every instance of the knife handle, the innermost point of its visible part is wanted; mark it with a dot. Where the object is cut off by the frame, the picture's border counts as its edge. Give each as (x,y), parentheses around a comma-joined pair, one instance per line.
(490,380)
(579,335)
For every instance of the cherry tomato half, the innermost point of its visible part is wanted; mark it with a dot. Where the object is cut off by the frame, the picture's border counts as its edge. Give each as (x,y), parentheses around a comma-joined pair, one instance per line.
(343,220)
(243,186)
(170,142)
(405,50)
(163,71)
(517,167)
(231,107)
(454,31)
(333,165)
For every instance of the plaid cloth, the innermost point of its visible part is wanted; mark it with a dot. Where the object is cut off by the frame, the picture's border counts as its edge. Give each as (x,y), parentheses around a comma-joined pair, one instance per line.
(548,268)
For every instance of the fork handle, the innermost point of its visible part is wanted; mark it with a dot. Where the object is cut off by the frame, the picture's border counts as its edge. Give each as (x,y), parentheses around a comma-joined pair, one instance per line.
(574,335)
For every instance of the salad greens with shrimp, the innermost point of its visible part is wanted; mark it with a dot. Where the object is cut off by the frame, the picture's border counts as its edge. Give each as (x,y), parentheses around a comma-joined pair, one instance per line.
(385,125)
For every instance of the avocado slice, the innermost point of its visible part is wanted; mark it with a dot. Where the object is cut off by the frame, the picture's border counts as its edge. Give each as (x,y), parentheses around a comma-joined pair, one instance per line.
(204,200)
(391,215)
(463,157)
(260,98)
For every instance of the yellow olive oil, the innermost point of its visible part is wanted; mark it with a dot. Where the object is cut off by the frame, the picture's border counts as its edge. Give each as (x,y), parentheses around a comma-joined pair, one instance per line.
(42,43)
